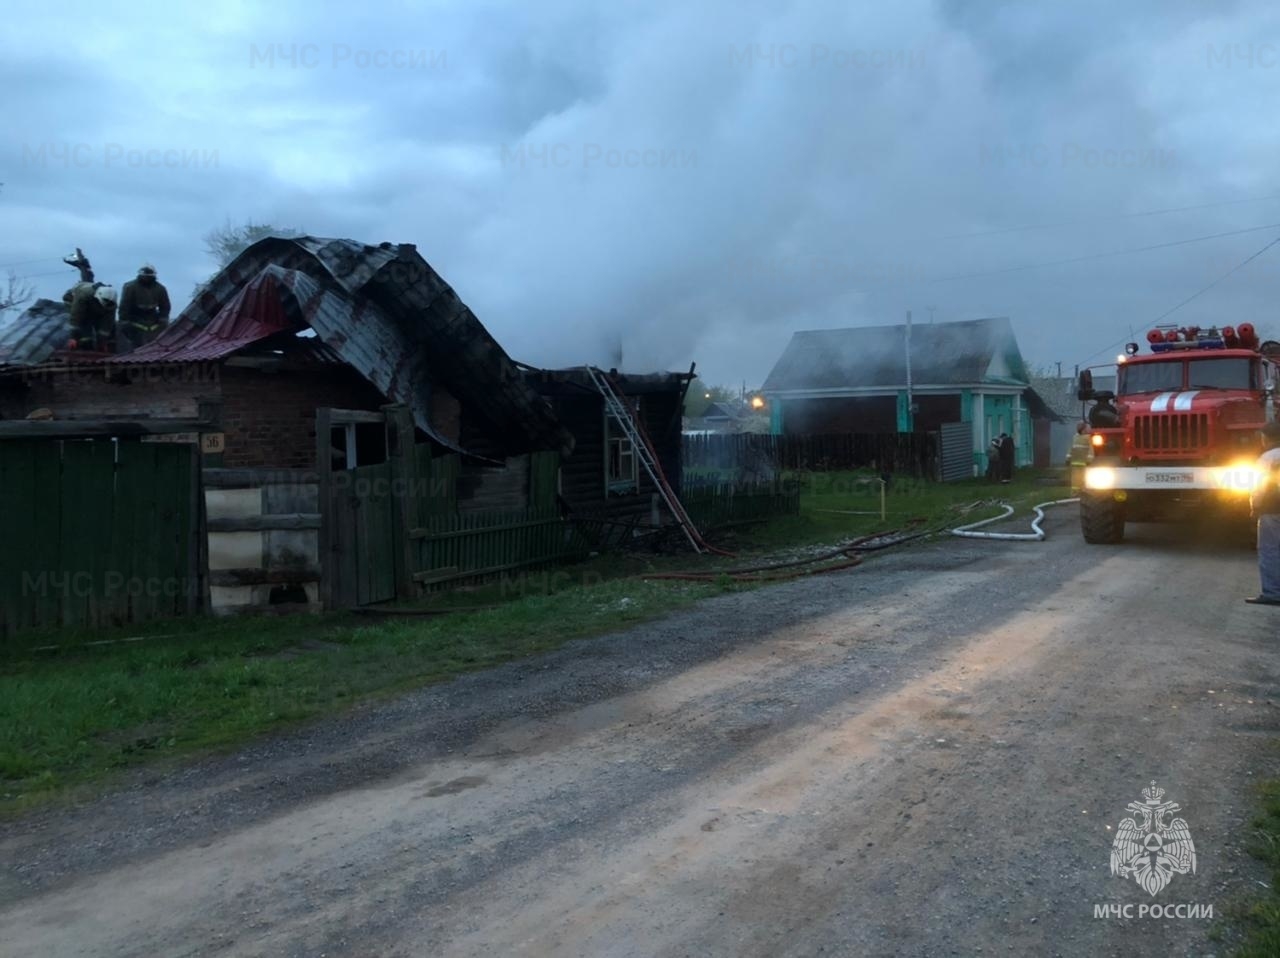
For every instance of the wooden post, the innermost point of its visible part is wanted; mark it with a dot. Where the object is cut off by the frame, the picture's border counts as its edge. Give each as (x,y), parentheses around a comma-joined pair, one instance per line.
(883,485)
(324,498)
(404,484)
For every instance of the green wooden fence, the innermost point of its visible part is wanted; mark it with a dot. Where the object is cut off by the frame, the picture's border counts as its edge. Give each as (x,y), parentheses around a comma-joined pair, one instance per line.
(97,532)
(479,544)
(392,529)
(723,503)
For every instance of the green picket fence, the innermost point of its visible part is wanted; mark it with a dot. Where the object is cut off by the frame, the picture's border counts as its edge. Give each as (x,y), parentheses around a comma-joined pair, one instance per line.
(451,547)
(723,503)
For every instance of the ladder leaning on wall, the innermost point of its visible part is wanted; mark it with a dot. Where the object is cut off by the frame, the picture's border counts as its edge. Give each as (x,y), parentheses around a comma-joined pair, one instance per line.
(635,432)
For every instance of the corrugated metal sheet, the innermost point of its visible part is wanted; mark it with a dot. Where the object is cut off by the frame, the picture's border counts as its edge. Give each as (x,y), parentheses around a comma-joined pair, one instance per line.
(957,451)
(421,327)
(264,306)
(31,336)
(279,300)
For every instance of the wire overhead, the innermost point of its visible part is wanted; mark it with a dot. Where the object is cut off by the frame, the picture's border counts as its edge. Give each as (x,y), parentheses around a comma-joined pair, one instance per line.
(1096,256)
(1204,289)
(1107,219)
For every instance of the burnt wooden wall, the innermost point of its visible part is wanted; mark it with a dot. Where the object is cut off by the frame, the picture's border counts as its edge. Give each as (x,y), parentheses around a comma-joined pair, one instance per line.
(583,474)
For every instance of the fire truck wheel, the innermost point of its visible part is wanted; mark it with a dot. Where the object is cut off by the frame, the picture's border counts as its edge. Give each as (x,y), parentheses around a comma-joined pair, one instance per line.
(1101,520)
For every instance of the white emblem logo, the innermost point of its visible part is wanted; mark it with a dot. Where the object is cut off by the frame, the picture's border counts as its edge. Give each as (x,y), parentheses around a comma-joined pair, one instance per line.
(1149,848)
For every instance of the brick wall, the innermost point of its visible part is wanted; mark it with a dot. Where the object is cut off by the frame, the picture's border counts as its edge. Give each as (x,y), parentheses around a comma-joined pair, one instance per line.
(269,418)
(119,393)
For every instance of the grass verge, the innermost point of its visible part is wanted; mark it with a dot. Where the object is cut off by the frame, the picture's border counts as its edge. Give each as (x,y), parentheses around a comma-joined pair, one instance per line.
(1257,924)
(71,714)
(76,707)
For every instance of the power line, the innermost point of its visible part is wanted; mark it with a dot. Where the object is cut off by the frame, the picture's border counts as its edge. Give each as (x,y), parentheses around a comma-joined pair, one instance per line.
(27,262)
(1106,219)
(1204,289)
(1094,256)
(57,272)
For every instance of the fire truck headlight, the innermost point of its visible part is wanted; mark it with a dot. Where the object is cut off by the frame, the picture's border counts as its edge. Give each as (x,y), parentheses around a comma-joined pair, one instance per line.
(1239,477)
(1100,477)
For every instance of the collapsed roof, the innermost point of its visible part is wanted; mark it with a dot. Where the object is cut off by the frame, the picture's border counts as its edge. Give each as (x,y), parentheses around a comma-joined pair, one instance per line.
(384,311)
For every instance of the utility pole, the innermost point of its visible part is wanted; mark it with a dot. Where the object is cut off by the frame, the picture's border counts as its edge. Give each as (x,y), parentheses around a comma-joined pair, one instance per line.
(911,425)
(1059,370)
(931,309)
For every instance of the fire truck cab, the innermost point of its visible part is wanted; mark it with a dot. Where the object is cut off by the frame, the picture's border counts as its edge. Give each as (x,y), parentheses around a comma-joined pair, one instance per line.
(1178,438)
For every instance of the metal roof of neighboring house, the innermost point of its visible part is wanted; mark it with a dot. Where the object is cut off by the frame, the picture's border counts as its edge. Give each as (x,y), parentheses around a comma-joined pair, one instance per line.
(31,336)
(1059,393)
(869,356)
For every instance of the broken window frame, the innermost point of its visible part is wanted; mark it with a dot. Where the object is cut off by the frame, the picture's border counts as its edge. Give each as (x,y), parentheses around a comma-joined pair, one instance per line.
(621,464)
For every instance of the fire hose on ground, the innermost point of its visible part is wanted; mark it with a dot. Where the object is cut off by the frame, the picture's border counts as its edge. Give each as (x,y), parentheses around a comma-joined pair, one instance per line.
(849,553)
(1036,534)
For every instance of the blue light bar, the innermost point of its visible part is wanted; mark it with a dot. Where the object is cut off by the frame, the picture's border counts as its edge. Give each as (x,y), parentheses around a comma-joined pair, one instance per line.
(1197,344)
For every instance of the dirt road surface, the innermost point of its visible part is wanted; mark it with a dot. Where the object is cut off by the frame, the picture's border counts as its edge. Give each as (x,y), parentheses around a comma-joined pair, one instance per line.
(924,756)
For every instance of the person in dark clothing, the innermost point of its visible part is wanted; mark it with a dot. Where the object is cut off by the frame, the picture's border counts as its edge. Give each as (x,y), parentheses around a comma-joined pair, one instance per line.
(1264,505)
(144,310)
(1006,457)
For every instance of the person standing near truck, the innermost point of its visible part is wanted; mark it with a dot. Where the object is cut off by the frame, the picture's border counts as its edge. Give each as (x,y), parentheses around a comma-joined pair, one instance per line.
(1078,457)
(1265,506)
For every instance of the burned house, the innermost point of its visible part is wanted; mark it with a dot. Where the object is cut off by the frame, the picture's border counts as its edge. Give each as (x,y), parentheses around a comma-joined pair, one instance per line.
(293,325)
(604,475)
(291,328)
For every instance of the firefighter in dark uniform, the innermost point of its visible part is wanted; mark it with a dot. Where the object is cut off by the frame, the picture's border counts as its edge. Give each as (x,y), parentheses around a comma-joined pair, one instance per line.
(144,310)
(93,315)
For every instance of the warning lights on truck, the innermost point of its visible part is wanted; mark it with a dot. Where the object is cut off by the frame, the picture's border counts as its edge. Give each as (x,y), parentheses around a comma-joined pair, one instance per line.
(1194,337)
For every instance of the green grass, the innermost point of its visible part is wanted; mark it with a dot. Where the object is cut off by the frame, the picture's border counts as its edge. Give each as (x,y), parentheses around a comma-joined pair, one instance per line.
(838,506)
(1259,921)
(70,715)
(76,713)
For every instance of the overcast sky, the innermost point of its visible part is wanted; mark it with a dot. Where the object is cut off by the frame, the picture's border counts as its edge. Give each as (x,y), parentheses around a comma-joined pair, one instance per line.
(691,180)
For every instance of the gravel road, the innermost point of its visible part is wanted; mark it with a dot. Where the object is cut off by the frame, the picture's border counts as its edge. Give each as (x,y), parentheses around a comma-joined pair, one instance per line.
(928,755)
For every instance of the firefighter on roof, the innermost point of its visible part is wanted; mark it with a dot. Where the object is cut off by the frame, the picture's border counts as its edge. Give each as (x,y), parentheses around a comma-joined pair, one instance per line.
(144,310)
(93,315)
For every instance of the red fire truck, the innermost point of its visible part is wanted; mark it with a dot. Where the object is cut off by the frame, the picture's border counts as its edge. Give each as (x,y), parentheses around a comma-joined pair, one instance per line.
(1178,436)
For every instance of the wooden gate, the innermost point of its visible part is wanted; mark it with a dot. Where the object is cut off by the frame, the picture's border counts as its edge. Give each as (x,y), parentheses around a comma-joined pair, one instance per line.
(362,545)
(97,532)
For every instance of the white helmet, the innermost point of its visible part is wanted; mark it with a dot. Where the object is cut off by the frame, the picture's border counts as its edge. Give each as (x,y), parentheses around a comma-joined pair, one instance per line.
(146,269)
(106,295)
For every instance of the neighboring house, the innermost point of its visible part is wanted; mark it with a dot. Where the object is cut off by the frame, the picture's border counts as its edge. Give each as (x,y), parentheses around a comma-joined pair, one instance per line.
(856,381)
(718,417)
(1059,394)
(604,476)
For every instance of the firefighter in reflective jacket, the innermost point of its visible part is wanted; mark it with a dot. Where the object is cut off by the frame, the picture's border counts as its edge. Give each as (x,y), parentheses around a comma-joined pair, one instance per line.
(144,310)
(1079,456)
